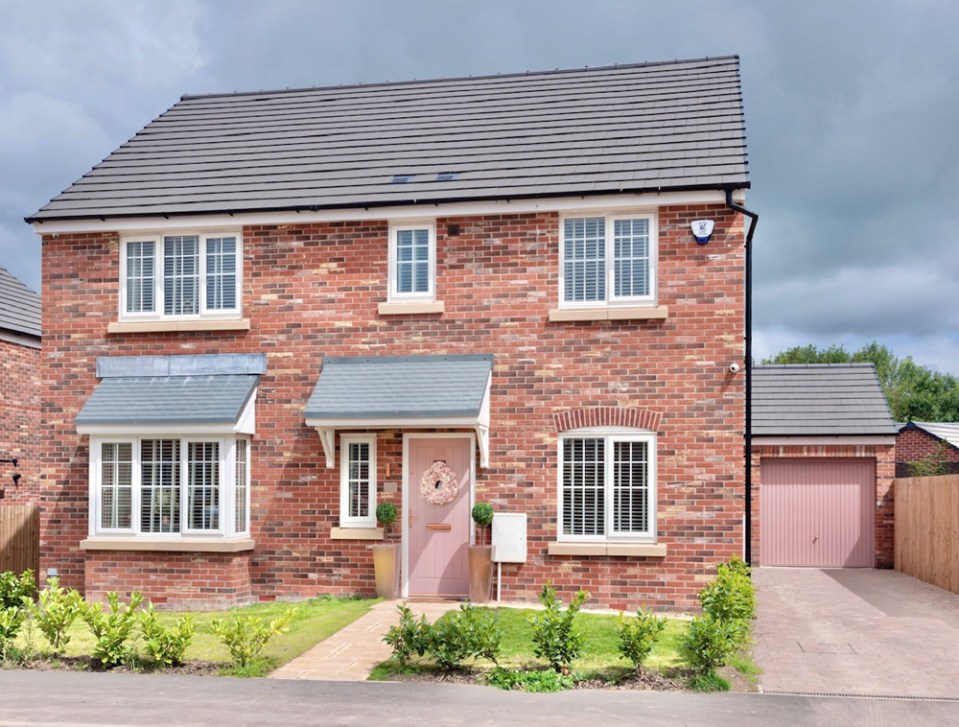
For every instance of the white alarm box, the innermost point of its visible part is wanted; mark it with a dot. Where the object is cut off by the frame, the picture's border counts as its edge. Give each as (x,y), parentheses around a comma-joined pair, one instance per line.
(509,537)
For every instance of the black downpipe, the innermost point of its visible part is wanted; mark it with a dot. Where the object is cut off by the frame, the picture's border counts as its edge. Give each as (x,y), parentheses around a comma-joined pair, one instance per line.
(748,363)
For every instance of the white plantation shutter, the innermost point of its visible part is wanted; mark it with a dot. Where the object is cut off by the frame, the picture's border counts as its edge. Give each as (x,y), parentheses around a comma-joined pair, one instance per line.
(630,487)
(160,486)
(583,487)
(584,259)
(242,487)
(181,275)
(358,481)
(203,485)
(116,485)
(413,261)
(139,276)
(221,271)
(631,258)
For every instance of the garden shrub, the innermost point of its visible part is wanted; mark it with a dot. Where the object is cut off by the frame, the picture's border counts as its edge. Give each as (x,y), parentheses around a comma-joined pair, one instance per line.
(530,681)
(14,588)
(731,597)
(637,636)
(408,637)
(708,642)
(11,619)
(166,645)
(554,634)
(462,635)
(111,630)
(246,636)
(55,611)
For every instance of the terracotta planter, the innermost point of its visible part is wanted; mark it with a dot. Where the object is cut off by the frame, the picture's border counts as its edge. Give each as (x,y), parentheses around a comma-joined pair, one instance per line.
(480,559)
(385,567)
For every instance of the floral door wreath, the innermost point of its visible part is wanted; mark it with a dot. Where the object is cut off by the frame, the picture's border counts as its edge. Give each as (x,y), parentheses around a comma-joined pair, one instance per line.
(439,485)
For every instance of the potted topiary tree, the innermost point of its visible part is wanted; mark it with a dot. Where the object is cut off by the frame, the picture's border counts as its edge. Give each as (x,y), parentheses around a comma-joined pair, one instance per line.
(480,556)
(385,561)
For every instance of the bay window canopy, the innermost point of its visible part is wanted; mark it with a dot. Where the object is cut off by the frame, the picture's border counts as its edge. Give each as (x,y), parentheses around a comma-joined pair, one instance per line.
(402,392)
(146,394)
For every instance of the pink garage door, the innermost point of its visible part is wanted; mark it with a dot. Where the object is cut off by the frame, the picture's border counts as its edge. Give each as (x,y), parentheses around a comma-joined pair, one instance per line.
(817,512)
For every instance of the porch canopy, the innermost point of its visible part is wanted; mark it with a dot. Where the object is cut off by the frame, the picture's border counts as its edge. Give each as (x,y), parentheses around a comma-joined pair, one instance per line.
(156,394)
(402,392)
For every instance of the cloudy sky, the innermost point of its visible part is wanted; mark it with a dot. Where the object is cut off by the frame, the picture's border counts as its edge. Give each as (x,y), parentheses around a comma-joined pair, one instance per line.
(852,111)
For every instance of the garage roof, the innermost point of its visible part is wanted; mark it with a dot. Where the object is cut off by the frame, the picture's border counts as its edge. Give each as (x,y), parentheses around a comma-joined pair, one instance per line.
(819,400)
(631,128)
(19,306)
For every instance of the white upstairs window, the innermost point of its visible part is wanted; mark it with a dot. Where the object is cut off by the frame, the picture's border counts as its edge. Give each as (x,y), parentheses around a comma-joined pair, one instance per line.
(180,276)
(412,263)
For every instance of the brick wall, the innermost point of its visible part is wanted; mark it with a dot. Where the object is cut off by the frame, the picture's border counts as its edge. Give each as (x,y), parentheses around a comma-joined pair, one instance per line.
(913,444)
(312,291)
(885,473)
(19,421)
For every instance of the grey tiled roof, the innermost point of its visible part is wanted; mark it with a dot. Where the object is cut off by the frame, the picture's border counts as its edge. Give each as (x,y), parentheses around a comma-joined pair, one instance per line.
(142,400)
(946,431)
(19,306)
(631,128)
(819,400)
(391,387)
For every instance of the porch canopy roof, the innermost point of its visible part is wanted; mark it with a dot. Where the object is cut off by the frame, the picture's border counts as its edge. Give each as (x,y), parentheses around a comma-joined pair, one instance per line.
(402,392)
(198,393)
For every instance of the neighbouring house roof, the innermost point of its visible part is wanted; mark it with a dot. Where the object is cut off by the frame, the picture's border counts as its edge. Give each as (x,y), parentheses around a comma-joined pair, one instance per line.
(946,431)
(819,400)
(19,306)
(402,392)
(181,390)
(632,128)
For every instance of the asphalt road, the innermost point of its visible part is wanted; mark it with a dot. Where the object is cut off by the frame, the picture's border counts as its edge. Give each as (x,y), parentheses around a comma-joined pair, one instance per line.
(78,699)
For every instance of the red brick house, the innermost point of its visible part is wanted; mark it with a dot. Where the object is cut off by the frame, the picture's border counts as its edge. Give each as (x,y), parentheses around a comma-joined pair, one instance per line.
(268,312)
(932,441)
(19,391)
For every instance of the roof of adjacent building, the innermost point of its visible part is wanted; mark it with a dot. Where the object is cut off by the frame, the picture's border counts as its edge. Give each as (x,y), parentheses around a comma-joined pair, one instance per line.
(630,128)
(819,400)
(141,400)
(946,431)
(391,387)
(19,306)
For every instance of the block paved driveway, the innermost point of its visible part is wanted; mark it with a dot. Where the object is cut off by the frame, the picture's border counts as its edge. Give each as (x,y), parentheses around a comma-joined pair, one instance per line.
(870,632)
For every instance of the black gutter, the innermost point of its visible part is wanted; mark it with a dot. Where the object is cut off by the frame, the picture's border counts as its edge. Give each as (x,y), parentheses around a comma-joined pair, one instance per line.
(748,355)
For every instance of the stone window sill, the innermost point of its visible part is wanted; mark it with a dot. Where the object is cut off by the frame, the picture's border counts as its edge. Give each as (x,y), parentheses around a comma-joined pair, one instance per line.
(174,545)
(611,313)
(356,534)
(637,550)
(410,309)
(243,324)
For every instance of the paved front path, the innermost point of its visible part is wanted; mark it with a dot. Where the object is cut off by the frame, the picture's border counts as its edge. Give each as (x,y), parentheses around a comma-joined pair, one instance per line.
(875,632)
(351,653)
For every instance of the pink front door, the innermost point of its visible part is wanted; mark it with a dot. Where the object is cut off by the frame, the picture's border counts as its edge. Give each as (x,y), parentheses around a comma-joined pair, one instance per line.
(438,534)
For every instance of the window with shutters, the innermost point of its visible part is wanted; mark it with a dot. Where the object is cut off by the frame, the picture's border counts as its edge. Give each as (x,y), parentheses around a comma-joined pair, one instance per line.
(184,276)
(605,260)
(607,486)
(412,264)
(169,487)
(358,481)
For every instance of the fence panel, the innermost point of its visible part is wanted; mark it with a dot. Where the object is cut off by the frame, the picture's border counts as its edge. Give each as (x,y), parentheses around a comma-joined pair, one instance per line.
(927,529)
(19,538)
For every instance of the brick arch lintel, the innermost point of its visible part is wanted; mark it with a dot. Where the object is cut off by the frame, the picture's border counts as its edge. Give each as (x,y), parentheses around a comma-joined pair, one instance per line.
(607,416)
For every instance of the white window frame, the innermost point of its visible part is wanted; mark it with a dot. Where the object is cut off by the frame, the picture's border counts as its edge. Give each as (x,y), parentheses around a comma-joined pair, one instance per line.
(610,264)
(157,238)
(394,296)
(345,520)
(610,435)
(227,486)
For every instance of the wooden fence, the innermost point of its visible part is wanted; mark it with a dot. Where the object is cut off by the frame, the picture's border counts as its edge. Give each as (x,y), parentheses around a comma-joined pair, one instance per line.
(927,529)
(19,538)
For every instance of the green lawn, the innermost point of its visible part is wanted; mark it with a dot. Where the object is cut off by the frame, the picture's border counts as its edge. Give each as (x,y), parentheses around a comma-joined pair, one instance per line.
(315,620)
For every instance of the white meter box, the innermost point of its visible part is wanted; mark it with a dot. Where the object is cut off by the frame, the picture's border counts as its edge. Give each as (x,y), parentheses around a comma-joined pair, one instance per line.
(509,537)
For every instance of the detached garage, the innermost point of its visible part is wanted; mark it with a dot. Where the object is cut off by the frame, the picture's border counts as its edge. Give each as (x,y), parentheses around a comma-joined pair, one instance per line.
(823,459)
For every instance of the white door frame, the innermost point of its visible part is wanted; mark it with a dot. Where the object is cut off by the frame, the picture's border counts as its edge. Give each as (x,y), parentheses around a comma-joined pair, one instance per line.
(405,535)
